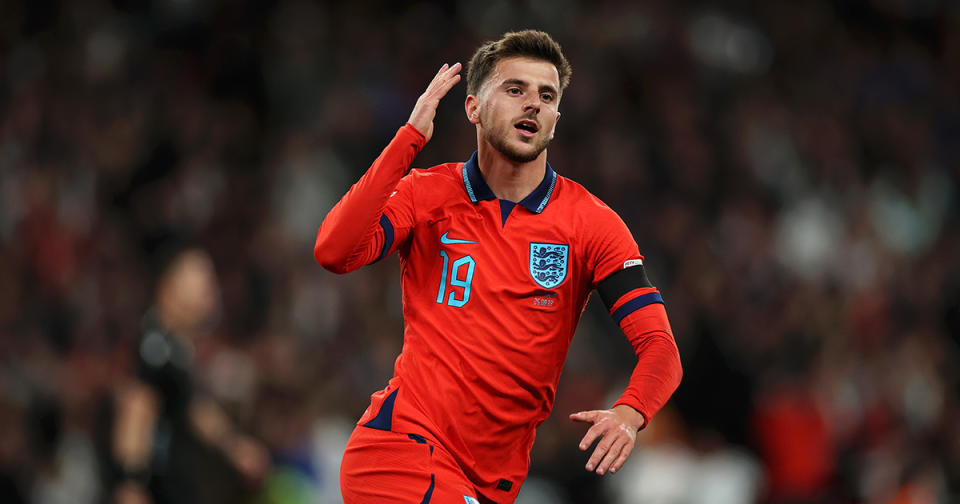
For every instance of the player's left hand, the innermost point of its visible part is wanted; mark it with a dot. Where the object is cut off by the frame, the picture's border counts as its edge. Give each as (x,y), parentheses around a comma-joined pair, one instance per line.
(617,429)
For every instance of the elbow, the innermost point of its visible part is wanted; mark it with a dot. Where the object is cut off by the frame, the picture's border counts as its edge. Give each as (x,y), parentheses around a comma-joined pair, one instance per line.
(677,370)
(327,257)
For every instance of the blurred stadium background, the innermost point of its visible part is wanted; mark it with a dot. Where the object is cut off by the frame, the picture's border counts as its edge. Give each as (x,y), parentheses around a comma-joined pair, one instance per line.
(789,169)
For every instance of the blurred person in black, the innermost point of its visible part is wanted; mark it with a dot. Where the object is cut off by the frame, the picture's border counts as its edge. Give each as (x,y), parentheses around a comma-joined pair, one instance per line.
(170,442)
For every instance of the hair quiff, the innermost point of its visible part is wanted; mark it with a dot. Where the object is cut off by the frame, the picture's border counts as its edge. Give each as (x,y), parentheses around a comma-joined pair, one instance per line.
(528,44)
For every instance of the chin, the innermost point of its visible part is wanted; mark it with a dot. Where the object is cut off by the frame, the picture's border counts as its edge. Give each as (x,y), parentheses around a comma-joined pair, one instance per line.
(516,149)
(518,156)
(524,152)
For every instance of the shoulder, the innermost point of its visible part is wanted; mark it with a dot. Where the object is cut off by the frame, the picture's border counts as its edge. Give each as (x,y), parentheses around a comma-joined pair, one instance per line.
(436,179)
(592,219)
(440,173)
(573,194)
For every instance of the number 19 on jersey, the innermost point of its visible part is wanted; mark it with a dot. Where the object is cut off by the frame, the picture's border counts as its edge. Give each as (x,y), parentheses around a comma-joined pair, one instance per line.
(457,280)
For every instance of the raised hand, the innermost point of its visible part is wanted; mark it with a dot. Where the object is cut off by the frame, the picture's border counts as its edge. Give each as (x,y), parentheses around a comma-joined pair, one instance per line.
(426,107)
(617,429)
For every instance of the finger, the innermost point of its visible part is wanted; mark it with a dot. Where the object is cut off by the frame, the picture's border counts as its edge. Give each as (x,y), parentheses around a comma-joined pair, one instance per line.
(445,72)
(444,81)
(584,416)
(447,85)
(602,448)
(622,459)
(592,434)
(453,70)
(611,456)
(437,77)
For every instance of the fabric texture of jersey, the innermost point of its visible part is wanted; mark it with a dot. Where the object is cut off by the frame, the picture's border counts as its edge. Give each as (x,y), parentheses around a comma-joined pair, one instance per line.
(393,468)
(492,292)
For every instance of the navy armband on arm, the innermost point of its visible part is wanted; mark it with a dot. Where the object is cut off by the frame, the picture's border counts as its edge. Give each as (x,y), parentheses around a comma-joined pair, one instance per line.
(387,227)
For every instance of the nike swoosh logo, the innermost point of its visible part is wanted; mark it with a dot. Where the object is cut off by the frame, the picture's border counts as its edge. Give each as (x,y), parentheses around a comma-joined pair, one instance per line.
(450,241)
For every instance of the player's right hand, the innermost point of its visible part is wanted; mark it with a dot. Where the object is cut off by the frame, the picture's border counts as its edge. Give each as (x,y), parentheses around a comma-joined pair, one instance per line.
(426,107)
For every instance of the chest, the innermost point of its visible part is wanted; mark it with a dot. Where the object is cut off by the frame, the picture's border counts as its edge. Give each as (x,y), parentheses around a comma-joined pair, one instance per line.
(469,253)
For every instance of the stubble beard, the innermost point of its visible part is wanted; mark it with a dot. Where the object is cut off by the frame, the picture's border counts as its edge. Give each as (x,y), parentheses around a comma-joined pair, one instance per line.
(499,140)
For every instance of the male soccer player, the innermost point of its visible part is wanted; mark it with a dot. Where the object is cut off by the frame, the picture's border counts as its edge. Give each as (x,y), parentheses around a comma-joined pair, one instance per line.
(498,256)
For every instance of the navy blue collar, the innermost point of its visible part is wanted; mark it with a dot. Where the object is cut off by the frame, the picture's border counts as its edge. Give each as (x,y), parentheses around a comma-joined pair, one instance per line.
(478,190)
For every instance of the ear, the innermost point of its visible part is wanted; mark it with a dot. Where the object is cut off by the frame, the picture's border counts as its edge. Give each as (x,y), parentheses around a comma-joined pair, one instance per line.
(554,129)
(472,107)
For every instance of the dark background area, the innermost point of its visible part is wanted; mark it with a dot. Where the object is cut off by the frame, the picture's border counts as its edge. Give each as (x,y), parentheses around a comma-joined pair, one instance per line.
(789,169)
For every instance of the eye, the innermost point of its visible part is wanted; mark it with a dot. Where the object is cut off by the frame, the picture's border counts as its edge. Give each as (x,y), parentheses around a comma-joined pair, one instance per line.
(547,97)
(513,90)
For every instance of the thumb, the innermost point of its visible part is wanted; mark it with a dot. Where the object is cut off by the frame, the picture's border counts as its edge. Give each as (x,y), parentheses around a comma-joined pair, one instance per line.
(584,416)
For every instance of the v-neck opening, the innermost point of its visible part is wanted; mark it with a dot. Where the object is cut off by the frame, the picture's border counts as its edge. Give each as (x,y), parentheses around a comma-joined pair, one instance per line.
(505,208)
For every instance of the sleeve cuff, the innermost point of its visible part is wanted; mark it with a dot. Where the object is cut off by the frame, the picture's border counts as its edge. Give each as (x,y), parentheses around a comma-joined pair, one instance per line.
(409,128)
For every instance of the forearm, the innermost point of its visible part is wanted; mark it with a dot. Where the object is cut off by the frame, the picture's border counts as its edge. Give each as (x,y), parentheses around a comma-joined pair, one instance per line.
(135,422)
(349,236)
(214,427)
(210,423)
(658,371)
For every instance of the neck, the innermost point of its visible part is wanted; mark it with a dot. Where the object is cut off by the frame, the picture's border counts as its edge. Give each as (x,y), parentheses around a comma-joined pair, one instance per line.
(509,180)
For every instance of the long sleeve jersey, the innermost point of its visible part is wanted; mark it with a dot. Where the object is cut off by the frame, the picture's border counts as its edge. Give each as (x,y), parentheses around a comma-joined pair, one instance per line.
(492,293)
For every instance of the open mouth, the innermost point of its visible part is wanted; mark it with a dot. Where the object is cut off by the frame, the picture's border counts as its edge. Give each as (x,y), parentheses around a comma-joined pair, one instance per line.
(527,128)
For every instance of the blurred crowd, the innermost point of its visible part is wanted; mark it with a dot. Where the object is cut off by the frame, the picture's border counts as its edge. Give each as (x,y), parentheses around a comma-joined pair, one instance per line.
(790,170)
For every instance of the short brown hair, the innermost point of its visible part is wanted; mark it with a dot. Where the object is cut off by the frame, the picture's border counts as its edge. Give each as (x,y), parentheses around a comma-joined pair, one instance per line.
(527,43)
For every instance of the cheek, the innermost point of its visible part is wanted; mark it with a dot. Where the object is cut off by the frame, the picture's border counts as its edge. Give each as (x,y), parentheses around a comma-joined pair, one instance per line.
(494,118)
(553,128)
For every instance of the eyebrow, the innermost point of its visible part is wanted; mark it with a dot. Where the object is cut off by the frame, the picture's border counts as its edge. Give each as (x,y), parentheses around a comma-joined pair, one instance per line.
(524,83)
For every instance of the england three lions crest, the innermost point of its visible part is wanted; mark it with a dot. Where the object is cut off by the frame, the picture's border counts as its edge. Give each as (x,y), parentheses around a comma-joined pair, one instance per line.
(548,263)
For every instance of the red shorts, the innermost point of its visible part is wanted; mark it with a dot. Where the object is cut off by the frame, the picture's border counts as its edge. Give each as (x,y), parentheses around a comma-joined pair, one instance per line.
(390,467)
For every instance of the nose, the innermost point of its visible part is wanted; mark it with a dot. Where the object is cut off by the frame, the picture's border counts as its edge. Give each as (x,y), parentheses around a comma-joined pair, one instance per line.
(533,104)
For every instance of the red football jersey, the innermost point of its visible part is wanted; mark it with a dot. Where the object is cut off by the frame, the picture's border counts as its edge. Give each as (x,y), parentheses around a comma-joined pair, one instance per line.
(492,293)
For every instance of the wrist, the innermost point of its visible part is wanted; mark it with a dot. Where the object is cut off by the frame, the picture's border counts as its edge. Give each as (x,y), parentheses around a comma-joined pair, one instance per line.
(630,415)
(415,129)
